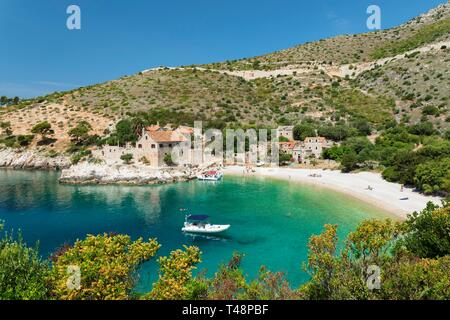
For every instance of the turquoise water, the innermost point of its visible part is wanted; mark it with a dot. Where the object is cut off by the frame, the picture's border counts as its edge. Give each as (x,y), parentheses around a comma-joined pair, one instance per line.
(271,220)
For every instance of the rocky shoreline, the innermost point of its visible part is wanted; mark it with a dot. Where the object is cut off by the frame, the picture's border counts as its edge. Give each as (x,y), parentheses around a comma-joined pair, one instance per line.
(29,159)
(94,173)
(89,173)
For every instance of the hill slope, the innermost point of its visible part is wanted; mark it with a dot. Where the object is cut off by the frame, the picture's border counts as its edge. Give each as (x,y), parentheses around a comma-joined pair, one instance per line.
(401,73)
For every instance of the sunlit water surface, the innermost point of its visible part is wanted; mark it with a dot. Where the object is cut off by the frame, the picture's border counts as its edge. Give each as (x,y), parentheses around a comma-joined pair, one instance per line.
(271,221)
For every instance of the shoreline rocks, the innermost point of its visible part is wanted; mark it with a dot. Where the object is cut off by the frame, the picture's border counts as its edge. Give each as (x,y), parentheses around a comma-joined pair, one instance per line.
(89,173)
(31,159)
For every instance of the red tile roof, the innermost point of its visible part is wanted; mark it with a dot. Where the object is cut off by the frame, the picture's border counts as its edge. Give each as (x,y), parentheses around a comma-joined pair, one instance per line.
(290,144)
(166,136)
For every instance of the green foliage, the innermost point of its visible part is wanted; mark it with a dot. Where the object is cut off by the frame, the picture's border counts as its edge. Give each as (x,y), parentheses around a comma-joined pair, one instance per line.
(402,167)
(428,232)
(397,149)
(42,128)
(334,153)
(80,133)
(168,159)
(126,158)
(284,158)
(371,241)
(423,129)
(363,126)
(374,109)
(349,161)
(433,176)
(124,133)
(303,131)
(6,128)
(426,34)
(270,286)
(412,279)
(403,276)
(430,111)
(413,258)
(17,141)
(22,272)
(107,263)
(80,155)
(5,101)
(229,281)
(337,132)
(175,275)
(321,264)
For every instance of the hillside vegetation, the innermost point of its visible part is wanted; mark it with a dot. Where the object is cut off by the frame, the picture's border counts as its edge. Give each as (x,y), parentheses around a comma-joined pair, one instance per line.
(334,82)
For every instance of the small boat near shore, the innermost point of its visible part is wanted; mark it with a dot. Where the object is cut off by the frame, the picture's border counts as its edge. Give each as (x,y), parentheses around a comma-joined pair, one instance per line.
(200,224)
(210,176)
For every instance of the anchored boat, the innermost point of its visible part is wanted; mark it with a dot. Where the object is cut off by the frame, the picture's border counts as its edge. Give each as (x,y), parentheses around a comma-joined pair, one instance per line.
(200,224)
(210,176)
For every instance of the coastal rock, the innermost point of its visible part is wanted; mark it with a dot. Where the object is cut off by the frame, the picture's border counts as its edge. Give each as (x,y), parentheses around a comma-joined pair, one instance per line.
(90,173)
(30,159)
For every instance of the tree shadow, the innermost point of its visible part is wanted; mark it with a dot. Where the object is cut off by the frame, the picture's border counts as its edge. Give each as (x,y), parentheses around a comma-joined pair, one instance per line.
(46,141)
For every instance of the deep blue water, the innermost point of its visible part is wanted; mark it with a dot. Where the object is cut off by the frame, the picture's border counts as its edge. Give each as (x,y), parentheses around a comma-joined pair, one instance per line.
(271,220)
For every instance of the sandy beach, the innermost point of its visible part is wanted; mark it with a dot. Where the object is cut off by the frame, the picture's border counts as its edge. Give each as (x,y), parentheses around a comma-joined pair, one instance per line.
(383,194)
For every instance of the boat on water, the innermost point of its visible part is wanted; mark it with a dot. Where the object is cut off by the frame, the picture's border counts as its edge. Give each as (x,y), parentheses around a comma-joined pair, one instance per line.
(200,224)
(210,176)
(260,163)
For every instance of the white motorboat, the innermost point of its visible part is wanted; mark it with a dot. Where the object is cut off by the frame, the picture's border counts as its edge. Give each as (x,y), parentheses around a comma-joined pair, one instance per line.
(200,224)
(210,176)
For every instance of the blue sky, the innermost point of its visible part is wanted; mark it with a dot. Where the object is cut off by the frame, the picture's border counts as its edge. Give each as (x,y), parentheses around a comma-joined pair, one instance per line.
(39,55)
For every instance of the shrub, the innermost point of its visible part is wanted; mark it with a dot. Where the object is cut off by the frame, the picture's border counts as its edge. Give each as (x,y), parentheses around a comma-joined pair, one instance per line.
(42,128)
(107,265)
(349,161)
(22,272)
(175,275)
(430,111)
(302,131)
(126,158)
(434,176)
(427,232)
(168,159)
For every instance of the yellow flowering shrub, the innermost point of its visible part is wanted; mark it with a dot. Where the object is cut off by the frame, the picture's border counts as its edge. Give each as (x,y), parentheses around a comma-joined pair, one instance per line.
(106,265)
(175,275)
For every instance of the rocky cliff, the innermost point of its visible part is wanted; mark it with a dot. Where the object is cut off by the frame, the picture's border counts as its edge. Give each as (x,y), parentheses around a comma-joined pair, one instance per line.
(89,173)
(30,159)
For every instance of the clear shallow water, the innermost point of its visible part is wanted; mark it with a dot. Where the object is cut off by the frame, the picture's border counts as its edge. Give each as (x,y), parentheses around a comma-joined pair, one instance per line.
(271,220)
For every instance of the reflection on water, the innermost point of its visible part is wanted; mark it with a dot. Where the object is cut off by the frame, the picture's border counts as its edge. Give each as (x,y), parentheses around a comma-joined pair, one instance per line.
(271,221)
(202,237)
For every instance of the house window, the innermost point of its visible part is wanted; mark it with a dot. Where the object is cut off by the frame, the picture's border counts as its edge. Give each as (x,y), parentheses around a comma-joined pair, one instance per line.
(161,145)
(146,137)
(170,145)
(153,146)
(140,146)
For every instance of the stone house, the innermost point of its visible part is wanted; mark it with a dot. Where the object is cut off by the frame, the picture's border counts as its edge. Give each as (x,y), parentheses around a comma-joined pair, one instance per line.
(152,147)
(287,147)
(286,132)
(310,148)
